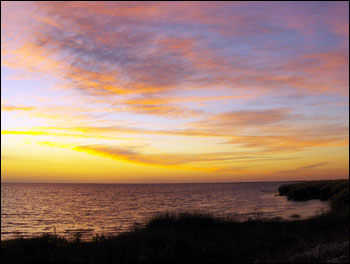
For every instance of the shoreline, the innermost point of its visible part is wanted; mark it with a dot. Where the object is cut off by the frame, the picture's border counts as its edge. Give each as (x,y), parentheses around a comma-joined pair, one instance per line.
(274,207)
(199,237)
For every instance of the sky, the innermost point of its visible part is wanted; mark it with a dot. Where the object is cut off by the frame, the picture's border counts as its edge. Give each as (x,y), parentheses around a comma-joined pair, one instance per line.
(145,92)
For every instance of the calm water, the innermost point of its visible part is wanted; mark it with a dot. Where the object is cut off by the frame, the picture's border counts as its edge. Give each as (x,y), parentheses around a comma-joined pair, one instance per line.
(33,209)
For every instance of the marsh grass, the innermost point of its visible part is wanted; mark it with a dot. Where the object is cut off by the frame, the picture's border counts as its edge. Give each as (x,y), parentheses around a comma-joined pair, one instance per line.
(191,237)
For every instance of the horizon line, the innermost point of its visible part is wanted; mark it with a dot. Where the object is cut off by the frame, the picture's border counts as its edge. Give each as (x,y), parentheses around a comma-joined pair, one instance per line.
(144,183)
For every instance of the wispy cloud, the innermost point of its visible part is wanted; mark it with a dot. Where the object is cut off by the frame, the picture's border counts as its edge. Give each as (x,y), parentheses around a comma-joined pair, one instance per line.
(139,57)
(5,107)
(218,84)
(303,168)
(236,120)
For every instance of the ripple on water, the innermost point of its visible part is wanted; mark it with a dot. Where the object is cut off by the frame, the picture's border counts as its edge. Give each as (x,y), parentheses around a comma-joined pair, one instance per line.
(31,209)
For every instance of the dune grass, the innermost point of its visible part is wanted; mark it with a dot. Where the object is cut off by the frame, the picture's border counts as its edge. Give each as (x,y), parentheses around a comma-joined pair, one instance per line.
(190,237)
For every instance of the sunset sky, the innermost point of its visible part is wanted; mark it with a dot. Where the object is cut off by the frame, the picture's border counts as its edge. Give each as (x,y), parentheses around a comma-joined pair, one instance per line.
(137,92)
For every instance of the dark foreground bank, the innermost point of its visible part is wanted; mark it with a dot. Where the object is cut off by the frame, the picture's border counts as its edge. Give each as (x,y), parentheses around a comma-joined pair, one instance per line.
(196,237)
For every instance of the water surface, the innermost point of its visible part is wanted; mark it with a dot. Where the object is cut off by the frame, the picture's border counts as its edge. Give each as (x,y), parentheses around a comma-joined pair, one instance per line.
(33,209)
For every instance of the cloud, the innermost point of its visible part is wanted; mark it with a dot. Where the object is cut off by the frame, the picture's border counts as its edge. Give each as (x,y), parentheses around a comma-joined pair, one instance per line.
(212,162)
(287,143)
(303,168)
(235,121)
(103,130)
(193,72)
(64,114)
(286,140)
(178,161)
(59,134)
(144,55)
(6,107)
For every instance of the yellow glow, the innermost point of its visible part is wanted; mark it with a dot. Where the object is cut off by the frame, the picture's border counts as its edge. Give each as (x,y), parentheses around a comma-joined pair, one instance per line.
(35,158)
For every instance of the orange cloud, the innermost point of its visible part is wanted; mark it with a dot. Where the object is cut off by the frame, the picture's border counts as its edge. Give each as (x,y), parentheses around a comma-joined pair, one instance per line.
(213,162)
(234,121)
(179,161)
(287,143)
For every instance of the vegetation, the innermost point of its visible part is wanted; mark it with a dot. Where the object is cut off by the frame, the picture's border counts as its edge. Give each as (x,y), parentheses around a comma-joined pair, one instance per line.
(176,238)
(313,189)
(337,191)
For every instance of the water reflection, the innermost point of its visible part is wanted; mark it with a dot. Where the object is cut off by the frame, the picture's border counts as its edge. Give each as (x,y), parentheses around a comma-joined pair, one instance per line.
(33,209)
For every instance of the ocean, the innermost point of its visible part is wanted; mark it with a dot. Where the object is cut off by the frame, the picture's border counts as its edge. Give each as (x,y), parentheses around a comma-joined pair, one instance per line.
(30,209)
